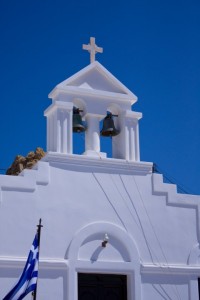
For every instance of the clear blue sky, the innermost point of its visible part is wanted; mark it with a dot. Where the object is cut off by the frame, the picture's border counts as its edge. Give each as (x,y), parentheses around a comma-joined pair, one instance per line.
(153,47)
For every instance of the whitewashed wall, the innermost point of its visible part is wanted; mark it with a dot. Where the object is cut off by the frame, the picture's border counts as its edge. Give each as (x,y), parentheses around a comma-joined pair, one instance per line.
(153,231)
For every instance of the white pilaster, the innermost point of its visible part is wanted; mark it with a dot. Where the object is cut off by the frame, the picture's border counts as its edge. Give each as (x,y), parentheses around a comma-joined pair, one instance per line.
(126,144)
(59,127)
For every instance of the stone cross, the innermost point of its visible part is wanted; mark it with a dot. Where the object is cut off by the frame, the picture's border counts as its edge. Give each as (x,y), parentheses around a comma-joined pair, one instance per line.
(93,49)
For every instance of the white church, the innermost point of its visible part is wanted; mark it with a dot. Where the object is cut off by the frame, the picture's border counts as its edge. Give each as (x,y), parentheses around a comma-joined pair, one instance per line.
(112,229)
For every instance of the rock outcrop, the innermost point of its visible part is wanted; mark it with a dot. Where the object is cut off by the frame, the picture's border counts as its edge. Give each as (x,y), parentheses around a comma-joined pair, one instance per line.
(20,163)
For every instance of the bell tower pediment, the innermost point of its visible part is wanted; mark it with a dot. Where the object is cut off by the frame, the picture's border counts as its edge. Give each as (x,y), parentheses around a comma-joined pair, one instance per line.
(95,78)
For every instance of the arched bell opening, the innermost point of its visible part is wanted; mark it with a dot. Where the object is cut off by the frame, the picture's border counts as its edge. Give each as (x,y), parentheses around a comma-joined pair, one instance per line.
(79,126)
(109,129)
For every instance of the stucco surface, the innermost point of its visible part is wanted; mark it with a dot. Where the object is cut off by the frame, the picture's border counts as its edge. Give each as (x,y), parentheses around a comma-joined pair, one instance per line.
(76,205)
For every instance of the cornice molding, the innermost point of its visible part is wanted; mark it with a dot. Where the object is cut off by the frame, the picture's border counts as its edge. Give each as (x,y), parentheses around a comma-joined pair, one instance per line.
(170,269)
(45,263)
(90,164)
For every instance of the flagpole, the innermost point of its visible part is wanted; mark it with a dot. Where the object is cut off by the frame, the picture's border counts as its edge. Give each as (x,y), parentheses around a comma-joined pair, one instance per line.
(39,226)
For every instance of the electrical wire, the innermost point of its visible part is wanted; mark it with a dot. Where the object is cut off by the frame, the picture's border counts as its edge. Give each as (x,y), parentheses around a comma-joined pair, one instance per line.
(148,245)
(155,234)
(151,251)
(170,179)
(109,201)
(140,226)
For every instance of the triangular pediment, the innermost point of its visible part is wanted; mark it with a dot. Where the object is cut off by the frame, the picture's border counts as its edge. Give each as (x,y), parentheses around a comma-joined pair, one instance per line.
(97,78)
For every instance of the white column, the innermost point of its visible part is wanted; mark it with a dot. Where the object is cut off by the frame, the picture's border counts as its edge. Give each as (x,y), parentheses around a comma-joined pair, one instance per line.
(126,141)
(119,142)
(92,136)
(58,132)
(69,131)
(137,143)
(64,132)
(132,143)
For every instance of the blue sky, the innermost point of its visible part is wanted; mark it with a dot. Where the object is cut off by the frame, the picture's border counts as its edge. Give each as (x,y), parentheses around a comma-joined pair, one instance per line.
(153,47)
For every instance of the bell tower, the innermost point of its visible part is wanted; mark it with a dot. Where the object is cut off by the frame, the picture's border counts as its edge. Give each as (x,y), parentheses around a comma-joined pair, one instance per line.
(93,94)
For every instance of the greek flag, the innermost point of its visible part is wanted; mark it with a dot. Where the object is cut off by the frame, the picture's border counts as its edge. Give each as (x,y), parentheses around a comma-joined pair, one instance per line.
(28,280)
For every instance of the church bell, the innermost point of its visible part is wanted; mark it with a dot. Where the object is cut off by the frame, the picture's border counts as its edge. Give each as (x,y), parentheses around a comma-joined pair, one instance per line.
(109,126)
(77,121)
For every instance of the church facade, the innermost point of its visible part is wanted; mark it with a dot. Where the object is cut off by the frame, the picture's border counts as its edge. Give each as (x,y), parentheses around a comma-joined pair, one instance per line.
(112,229)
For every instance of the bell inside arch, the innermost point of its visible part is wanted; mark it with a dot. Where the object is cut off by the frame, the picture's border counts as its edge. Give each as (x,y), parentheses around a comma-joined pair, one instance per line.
(78,125)
(108,129)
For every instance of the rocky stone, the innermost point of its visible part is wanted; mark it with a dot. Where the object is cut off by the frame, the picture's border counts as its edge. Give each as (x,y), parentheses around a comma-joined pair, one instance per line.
(20,163)
(39,153)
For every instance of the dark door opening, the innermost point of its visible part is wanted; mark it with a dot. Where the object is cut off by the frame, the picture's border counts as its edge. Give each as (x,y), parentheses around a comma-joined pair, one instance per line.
(102,287)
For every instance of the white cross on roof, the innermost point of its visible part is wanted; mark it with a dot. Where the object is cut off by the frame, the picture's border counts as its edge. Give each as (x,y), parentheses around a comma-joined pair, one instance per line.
(93,49)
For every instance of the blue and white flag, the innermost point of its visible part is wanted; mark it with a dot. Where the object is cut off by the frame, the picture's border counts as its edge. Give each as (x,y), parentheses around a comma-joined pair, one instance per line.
(28,280)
